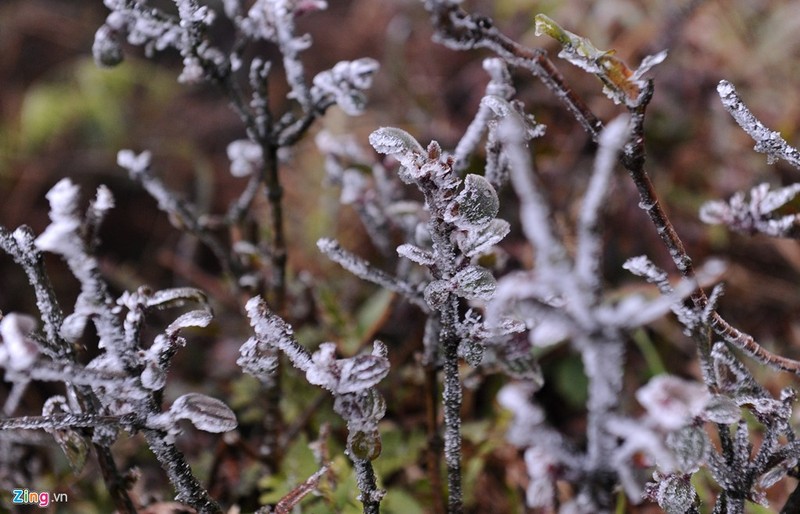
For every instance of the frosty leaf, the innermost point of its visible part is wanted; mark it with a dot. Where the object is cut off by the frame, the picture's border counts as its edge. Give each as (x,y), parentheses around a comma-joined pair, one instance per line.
(671,401)
(204,412)
(436,293)
(722,409)
(540,492)
(689,446)
(176,297)
(503,108)
(621,84)
(549,331)
(394,141)
(674,493)
(416,254)
(475,283)
(343,376)
(18,350)
(345,83)
(476,205)
(196,318)
(271,331)
(774,213)
(74,446)
(478,240)
(777,473)
(257,359)
(361,372)
(361,409)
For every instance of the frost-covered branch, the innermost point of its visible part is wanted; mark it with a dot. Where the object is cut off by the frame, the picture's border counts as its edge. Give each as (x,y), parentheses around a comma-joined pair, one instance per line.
(121,387)
(351,381)
(767,141)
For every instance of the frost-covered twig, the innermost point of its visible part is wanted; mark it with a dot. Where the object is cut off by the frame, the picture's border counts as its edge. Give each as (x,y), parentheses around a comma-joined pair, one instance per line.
(762,213)
(124,382)
(767,141)
(351,381)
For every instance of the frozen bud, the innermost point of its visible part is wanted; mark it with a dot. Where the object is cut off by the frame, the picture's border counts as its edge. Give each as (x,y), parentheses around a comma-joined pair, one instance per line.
(245,157)
(106,48)
(365,444)
(18,350)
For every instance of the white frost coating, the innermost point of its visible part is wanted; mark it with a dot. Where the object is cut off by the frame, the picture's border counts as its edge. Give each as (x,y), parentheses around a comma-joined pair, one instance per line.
(540,492)
(548,332)
(758,214)
(196,318)
(153,377)
(18,351)
(245,156)
(395,141)
(345,83)
(135,164)
(480,240)
(475,283)
(516,398)
(61,235)
(767,141)
(255,359)
(416,254)
(343,376)
(725,90)
(104,199)
(672,402)
(204,412)
(273,331)
(475,206)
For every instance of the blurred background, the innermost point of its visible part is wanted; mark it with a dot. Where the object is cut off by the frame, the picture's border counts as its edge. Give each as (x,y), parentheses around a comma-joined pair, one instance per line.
(61,116)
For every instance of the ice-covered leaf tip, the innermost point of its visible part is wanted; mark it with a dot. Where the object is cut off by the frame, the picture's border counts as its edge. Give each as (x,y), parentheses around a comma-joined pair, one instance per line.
(621,84)
(394,141)
(204,412)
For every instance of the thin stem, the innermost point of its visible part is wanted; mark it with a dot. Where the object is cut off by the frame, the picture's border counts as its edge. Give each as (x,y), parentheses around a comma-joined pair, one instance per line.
(433,454)
(187,487)
(370,495)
